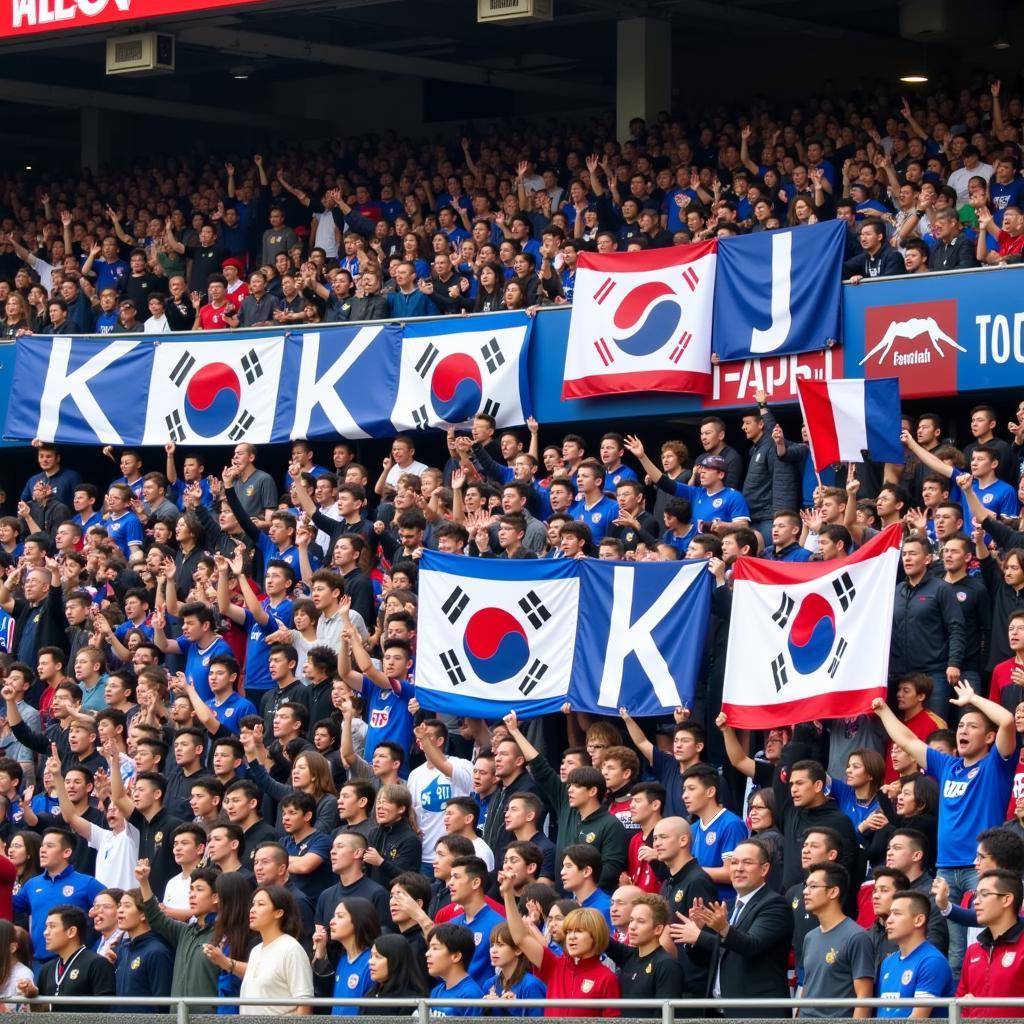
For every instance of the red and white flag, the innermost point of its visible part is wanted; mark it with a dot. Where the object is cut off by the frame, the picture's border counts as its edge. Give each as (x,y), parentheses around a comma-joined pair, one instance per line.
(641,321)
(810,640)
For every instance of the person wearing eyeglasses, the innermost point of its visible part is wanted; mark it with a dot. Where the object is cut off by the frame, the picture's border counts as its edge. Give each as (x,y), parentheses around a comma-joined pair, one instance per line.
(993,965)
(839,959)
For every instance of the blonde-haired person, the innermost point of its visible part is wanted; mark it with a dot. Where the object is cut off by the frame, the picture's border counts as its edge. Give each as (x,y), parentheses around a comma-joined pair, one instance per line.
(578,973)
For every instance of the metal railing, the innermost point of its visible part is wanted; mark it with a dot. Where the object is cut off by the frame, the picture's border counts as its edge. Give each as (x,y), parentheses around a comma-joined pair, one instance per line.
(182,1005)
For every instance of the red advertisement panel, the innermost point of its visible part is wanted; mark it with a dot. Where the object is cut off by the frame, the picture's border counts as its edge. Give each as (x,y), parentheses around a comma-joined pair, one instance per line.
(736,383)
(28,17)
(916,342)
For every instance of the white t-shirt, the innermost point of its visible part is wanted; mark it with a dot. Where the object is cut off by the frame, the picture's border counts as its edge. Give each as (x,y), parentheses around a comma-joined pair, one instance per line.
(278,971)
(483,851)
(156,325)
(431,790)
(391,480)
(9,989)
(176,892)
(117,853)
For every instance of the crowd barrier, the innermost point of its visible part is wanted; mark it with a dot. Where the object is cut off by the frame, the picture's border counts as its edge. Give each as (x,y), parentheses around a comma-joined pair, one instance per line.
(941,334)
(669,1011)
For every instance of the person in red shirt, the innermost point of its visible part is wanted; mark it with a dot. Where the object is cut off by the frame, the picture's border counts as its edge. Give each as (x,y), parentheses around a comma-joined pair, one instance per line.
(912,695)
(236,287)
(994,965)
(218,314)
(646,801)
(1010,237)
(1010,673)
(578,973)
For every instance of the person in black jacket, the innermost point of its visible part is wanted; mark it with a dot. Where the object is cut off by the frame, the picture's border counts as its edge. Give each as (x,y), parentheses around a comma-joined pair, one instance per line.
(927,626)
(954,251)
(747,948)
(877,259)
(39,615)
(73,970)
(800,795)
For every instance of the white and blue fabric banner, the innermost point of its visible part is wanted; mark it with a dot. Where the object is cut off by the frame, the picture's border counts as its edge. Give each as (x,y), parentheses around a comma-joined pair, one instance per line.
(221,388)
(779,292)
(532,634)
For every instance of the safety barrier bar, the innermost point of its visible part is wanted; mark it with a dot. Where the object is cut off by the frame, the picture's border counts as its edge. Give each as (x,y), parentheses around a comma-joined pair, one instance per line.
(421,1007)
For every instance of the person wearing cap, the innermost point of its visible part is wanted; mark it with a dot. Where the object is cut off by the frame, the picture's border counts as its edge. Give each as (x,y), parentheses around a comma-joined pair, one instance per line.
(127,318)
(233,268)
(713,503)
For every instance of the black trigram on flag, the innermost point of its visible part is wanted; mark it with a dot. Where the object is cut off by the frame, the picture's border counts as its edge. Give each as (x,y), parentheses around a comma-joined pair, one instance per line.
(175,430)
(534,674)
(251,366)
(427,360)
(534,609)
(780,675)
(785,609)
(455,605)
(451,664)
(490,408)
(845,590)
(182,368)
(492,355)
(837,658)
(420,418)
(243,424)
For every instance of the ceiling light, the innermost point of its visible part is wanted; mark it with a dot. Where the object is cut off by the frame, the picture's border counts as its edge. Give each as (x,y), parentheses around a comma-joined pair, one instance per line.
(914,79)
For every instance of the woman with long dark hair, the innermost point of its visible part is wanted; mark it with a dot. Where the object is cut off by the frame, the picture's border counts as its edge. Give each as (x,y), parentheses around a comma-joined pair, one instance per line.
(355,925)
(15,961)
(278,967)
(233,939)
(394,974)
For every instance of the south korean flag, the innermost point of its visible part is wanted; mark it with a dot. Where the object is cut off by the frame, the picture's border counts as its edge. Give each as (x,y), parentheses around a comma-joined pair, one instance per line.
(214,392)
(495,635)
(448,375)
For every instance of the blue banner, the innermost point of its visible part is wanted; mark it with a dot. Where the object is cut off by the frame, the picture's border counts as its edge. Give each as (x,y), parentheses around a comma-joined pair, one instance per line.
(496,635)
(779,292)
(221,388)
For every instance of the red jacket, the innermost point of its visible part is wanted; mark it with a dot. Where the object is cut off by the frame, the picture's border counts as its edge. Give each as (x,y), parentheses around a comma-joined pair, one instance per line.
(641,872)
(568,978)
(994,968)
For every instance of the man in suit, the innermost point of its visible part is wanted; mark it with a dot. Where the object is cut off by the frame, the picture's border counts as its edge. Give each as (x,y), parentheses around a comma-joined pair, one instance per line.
(747,948)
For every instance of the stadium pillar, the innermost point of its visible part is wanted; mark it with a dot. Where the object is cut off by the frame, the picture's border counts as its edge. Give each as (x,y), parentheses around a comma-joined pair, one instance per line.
(643,84)
(95,138)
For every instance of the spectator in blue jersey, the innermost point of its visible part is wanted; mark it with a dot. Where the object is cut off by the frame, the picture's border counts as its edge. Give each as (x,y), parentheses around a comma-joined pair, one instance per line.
(58,884)
(193,472)
(713,502)
(593,507)
(84,502)
(579,873)
(450,950)
(198,643)
(63,481)
(716,830)
(466,884)
(226,707)
(260,618)
(785,535)
(917,970)
(123,526)
(410,298)
(974,787)
(610,449)
(104,267)
(386,691)
(279,540)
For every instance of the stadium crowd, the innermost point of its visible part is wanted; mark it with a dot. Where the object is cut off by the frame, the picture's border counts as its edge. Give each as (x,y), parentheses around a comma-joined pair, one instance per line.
(216,777)
(370,228)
